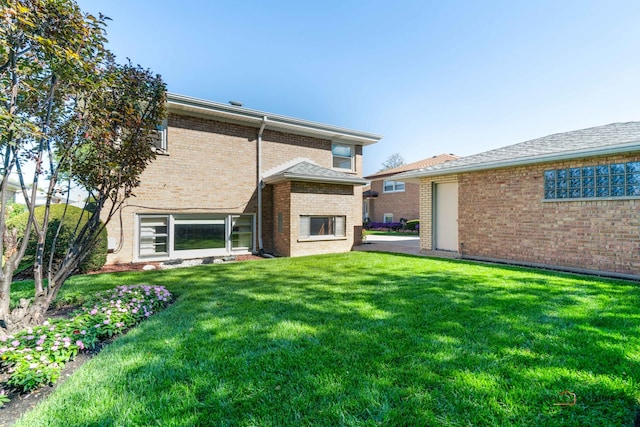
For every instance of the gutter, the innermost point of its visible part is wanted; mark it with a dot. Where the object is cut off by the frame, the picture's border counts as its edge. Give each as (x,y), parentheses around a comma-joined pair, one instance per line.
(259,182)
(522,161)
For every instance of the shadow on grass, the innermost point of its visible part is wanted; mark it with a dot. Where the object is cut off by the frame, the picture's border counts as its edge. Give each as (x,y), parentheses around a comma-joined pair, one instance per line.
(365,339)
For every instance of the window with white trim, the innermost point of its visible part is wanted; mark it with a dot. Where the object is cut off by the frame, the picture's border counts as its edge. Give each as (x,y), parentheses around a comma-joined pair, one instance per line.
(154,236)
(388,218)
(393,186)
(196,235)
(343,156)
(317,227)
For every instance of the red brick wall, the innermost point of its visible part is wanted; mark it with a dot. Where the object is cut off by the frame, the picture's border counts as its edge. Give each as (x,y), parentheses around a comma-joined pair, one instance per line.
(404,204)
(502,215)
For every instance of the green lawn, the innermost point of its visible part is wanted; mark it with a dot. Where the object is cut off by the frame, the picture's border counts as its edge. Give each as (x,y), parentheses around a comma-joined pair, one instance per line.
(363,339)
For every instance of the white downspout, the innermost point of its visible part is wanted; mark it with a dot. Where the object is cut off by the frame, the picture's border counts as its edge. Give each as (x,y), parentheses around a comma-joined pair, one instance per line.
(259,155)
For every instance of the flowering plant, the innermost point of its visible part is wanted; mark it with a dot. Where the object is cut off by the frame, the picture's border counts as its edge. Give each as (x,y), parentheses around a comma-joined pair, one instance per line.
(36,356)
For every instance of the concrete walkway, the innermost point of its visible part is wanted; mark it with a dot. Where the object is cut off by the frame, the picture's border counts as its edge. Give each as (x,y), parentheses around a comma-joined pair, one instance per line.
(400,244)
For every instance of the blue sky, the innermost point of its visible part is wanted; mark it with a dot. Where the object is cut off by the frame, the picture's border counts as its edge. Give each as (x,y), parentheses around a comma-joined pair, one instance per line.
(430,76)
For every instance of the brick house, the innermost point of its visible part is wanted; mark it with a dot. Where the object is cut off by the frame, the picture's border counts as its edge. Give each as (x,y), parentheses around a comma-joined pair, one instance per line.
(389,200)
(568,200)
(230,180)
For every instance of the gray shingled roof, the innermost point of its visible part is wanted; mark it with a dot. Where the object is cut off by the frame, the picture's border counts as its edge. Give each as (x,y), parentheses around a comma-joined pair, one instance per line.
(601,140)
(306,171)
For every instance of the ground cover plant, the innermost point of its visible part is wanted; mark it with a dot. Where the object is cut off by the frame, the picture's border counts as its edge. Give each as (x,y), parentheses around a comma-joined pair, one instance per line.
(34,357)
(363,339)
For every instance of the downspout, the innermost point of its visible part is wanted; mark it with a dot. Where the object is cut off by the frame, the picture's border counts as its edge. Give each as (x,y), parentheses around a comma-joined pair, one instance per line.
(259,179)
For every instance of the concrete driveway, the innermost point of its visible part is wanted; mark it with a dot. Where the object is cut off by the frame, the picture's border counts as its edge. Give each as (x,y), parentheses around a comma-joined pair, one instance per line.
(401,244)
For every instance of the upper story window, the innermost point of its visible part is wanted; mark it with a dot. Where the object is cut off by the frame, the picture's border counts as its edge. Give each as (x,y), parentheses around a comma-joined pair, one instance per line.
(343,156)
(393,186)
(615,180)
(159,140)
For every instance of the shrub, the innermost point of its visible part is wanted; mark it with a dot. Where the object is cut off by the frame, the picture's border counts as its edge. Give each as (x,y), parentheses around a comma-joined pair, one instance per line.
(74,217)
(395,226)
(413,225)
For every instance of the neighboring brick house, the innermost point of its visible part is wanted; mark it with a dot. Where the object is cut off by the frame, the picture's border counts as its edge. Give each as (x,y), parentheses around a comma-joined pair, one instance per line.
(388,200)
(230,180)
(568,200)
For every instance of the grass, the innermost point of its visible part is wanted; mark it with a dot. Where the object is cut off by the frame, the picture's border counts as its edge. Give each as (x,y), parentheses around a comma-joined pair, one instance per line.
(363,339)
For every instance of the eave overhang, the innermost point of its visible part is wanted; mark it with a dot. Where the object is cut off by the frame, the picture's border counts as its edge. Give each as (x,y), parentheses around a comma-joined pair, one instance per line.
(185,105)
(414,176)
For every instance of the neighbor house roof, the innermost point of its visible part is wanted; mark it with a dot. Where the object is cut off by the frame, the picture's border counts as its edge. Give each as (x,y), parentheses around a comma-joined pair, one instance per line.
(310,172)
(180,104)
(609,139)
(440,158)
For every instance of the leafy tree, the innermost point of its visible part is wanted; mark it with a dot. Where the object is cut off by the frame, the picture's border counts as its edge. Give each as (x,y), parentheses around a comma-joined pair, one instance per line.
(68,113)
(393,161)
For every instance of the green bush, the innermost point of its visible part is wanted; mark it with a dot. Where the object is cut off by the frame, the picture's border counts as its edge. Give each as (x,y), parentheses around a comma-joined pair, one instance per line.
(97,255)
(413,225)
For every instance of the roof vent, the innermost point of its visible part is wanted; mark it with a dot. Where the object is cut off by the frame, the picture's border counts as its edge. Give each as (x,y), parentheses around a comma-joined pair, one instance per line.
(235,103)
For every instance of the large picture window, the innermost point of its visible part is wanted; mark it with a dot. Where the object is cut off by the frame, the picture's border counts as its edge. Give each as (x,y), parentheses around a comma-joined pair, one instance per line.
(614,180)
(198,232)
(176,236)
(342,156)
(322,226)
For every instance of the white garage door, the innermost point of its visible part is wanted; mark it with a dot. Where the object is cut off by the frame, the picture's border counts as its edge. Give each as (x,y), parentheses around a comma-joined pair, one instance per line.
(446,216)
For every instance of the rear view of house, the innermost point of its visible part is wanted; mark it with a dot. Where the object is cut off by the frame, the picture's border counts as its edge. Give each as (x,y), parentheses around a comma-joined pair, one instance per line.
(230,180)
(568,200)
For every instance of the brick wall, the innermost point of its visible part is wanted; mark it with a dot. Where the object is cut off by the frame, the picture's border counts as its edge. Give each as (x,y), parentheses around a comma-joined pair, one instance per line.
(211,167)
(404,204)
(502,215)
(282,208)
(324,200)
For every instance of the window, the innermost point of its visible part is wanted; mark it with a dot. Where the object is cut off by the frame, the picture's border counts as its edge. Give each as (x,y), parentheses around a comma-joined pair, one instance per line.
(388,218)
(615,180)
(198,232)
(241,232)
(393,186)
(342,156)
(153,236)
(159,139)
(322,226)
(169,236)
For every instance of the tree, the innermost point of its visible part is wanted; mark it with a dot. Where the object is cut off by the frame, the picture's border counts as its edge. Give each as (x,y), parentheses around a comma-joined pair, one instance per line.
(68,113)
(393,161)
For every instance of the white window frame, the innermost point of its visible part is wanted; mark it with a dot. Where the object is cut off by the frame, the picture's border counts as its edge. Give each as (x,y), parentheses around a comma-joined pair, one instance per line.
(229,220)
(385,216)
(351,157)
(338,224)
(396,186)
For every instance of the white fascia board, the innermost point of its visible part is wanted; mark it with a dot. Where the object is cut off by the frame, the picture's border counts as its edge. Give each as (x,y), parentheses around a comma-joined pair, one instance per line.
(180,103)
(522,161)
(307,178)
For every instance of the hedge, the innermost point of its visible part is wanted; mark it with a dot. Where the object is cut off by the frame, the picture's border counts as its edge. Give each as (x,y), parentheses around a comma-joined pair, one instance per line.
(97,256)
